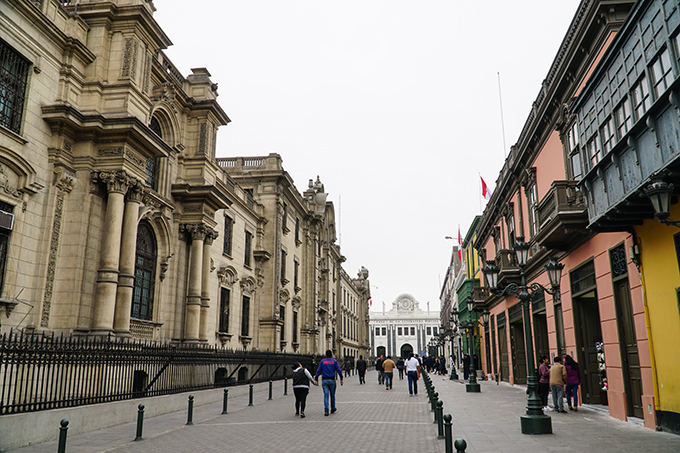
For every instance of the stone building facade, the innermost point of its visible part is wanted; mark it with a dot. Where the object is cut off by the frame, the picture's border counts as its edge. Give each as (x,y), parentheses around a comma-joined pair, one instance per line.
(116,216)
(403,329)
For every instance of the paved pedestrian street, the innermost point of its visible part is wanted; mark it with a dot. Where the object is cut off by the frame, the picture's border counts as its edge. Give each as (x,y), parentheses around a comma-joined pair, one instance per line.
(370,418)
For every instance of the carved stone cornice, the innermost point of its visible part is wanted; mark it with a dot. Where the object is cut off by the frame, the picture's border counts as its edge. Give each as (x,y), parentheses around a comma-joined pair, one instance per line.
(227,275)
(64,179)
(248,285)
(210,236)
(116,181)
(137,192)
(195,231)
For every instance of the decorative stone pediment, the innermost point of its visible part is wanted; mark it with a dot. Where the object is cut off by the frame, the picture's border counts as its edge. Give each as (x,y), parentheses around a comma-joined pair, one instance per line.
(296,303)
(248,285)
(284,296)
(228,275)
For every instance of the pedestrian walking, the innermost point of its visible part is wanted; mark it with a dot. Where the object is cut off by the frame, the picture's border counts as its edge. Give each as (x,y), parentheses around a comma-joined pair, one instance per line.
(573,381)
(379,369)
(400,367)
(388,369)
(328,368)
(442,365)
(544,381)
(361,369)
(412,366)
(301,379)
(558,379)
(466,366)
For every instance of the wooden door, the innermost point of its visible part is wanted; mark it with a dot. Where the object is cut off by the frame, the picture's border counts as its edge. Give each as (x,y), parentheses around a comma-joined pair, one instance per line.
(632,375)
(519,357)
(588,334)
(503,351)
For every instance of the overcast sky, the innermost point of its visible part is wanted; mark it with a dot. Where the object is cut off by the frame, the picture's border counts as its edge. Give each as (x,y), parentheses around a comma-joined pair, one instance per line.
(393,103)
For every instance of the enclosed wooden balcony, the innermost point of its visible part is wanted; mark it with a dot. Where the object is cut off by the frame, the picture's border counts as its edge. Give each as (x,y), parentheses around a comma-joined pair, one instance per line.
(562,216)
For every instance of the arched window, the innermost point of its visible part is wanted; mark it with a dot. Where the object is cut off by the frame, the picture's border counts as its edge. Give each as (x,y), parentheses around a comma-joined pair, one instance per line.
(153,162)
(145,273)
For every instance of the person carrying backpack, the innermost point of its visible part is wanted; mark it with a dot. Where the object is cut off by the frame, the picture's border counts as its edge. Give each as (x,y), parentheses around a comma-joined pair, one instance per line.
(301,379)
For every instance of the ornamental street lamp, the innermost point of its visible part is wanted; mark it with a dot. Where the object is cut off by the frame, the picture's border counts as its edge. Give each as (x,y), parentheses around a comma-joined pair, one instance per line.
(472,386)
(659,193)
(534,421)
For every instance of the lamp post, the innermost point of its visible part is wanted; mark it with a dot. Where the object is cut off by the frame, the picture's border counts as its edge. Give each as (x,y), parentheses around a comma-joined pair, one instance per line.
(472,386)
(452,337)
(659,193)
(534,421)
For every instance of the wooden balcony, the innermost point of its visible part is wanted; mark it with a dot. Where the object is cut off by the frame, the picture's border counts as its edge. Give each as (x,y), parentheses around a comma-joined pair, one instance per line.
(506,260)
(562,216)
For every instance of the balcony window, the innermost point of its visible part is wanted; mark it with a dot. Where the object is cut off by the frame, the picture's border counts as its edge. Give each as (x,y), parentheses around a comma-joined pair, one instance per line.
(296,271)
(662,73)
(532,205)
(594,151)
(13,79)
(573,139)
(608,132)
(225,296)
(624,118)
(283,265)
(511,228)
(282,317)
(641,99)
(4,243)
(245,316)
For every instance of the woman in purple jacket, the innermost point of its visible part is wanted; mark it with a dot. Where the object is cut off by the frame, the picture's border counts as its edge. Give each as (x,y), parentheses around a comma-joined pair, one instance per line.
(573,381)
(544,381)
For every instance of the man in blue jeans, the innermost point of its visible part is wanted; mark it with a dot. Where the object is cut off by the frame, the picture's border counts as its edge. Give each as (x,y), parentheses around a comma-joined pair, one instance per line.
(327,369)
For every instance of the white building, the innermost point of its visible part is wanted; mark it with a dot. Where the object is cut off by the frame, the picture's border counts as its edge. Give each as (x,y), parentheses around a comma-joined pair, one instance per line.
(403,329)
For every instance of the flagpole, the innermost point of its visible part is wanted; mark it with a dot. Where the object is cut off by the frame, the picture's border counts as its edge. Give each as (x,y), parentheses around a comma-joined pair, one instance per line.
(500,100)
(480,193)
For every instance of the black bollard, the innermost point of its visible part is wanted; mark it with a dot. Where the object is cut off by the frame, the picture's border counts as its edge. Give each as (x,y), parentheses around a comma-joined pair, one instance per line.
(62,436)
(439,417)
(285,386)
(435,397)
(140,421)
(224,401)
(250,397)
(447,433)
(190,414)
(460,445)
(270,389)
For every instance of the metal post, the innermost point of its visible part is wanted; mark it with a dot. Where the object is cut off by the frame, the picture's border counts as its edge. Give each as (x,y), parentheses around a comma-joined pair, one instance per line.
(435,398)
(270,389)
(460,445)
(534,421)
(250,397)
(140,421)
(472,386)
(224,401)
(62,436)
(447,433)
(190,414)
(454,373)
(285,386)
(440,421)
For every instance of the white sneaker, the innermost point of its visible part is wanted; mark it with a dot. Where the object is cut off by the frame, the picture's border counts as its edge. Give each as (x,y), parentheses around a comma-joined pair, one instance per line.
(547,409)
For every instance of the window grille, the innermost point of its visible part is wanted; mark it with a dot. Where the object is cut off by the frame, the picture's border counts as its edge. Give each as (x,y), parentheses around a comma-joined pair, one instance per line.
(225,296)
(228,231)
(145,274)
(245,316)
(13,79)
(249,243)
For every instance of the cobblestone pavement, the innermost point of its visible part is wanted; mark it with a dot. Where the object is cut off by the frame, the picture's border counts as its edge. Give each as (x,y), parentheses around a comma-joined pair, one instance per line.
(369,418)
(490,422)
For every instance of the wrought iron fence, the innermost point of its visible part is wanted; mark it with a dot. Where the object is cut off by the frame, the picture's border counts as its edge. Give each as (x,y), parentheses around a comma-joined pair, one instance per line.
(39,373)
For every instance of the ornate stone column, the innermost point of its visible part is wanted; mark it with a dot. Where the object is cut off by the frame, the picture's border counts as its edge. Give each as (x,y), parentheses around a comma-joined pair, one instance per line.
(197,233)
(128,250)
(117,184)
(210,236)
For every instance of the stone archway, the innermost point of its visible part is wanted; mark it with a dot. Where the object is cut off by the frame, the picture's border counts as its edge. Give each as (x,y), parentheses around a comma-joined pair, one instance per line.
(406,350)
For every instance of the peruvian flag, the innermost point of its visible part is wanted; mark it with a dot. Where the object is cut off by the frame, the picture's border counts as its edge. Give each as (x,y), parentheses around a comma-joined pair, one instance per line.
(370,302)
(460,245)
(486,193)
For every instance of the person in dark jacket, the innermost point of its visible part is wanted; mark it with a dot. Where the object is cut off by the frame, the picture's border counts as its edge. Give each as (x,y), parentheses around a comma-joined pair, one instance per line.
(400,367)
(328,368)
(466,366)
(379,369)
(301,379)
(361,368)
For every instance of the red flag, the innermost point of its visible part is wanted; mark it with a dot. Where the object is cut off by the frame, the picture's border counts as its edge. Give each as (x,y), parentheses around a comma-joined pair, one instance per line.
(460,245)
(486,193)
(370,302)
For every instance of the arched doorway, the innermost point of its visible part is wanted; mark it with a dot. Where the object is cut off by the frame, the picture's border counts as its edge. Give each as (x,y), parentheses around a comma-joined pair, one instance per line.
(145,273)
(406,350)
